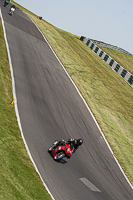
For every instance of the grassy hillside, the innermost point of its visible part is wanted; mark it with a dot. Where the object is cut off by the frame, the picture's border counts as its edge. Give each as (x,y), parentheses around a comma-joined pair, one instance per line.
(107,94)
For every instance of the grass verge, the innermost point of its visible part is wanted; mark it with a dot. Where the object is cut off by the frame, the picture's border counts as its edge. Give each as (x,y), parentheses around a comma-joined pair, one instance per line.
(18,178)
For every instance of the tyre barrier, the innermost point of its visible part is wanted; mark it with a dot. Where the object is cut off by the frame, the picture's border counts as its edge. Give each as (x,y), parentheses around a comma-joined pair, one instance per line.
(113,64)
(110,46)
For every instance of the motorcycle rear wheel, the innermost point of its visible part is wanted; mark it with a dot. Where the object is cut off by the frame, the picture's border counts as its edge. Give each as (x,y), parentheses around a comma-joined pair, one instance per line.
(59,155)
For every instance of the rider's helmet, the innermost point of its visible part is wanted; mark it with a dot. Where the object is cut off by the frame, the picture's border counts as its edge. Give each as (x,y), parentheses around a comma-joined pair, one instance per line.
(79,142)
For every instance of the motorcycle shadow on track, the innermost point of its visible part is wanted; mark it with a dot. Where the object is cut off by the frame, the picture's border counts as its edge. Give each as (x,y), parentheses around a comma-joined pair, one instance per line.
(61,161)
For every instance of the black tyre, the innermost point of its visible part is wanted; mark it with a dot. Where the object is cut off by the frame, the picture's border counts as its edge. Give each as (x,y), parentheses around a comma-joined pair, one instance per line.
(60,155)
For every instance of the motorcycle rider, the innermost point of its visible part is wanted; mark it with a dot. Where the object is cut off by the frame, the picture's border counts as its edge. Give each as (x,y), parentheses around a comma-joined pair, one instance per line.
(13,6)
(74,143)
(6,2)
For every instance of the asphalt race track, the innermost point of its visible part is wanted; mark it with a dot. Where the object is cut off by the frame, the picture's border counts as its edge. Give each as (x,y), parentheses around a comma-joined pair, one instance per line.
(50,108)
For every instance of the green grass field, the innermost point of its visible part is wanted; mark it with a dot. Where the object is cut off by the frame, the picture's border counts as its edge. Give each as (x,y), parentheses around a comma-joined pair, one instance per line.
(109,97)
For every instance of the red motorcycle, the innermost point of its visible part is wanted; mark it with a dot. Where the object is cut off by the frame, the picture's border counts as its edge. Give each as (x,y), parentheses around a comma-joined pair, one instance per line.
(60,151)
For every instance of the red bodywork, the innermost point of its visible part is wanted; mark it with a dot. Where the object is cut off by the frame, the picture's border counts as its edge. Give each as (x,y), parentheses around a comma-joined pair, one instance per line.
(65,148)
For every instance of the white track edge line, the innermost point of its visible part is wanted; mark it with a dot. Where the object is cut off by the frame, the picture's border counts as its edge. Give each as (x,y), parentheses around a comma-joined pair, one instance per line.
(16,107)
(86,106)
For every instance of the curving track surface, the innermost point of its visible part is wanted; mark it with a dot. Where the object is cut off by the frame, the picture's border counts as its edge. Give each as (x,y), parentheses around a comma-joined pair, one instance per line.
(51,108)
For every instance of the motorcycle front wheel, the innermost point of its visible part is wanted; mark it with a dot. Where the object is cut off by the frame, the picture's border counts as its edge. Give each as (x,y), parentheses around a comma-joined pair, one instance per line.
(50,149)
